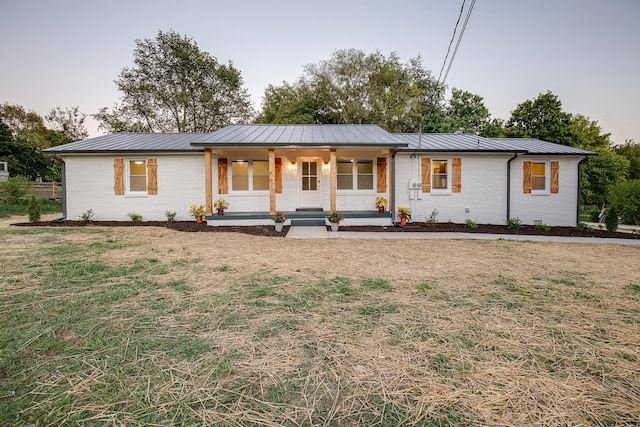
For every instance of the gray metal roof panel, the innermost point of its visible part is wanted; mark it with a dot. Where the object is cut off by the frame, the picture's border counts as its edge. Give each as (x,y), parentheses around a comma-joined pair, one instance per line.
(131,142)
(257,134)
(538,146)
(452,142)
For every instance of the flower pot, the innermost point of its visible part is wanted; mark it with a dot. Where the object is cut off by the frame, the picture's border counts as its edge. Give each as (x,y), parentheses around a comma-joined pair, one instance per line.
(381,210)
(403,221)
(279,226)
(199,219)
(334,226)
(220,212)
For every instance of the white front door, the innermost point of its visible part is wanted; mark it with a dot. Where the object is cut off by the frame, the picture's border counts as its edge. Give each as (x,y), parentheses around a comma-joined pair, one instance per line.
(309,184)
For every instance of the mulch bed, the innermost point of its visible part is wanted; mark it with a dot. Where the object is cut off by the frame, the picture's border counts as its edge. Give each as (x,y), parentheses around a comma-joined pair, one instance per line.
(415,227)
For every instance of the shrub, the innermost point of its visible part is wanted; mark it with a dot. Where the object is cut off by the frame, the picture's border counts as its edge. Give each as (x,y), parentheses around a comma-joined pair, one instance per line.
(16,187)
(34,209)
(471,223)
(513,223)
(135,217)
(625,197)
(432,219)
(171,216)
(594,215)
(611,220)
(87,216)
(584,227)
(542,227)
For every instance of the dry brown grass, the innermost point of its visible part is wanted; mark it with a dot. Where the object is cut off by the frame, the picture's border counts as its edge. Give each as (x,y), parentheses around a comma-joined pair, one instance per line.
(338,332)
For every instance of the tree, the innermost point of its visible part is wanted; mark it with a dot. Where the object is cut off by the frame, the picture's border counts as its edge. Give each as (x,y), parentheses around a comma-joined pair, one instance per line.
(70,122)
(601,172)
(355,87)
(466,113)
(542,118)
(589,135)
(173,86)
(630,150)
(625,198)
(25,125)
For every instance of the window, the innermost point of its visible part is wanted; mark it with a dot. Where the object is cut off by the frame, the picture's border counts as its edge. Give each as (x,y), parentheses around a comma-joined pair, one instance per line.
(137,176)
(355,175)
(345,175)
(249,175)
(538,176)
(440,170)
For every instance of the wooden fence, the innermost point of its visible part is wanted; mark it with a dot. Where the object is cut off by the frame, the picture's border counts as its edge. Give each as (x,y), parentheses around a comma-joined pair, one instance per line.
(47,190)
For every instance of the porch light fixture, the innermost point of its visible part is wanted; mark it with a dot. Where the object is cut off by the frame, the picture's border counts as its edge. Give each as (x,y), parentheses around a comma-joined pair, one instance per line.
(292,167)
(325,167)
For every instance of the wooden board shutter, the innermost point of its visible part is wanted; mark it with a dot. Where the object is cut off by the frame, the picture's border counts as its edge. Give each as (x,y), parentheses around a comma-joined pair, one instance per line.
(118,177)
(456,185)
(278,175)
(382,174)
(526,177)
(555,177)
(152,177)
(223,186)
(426,175)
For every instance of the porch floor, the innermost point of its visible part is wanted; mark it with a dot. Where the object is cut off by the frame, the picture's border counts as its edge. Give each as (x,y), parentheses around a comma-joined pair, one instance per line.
(299,217)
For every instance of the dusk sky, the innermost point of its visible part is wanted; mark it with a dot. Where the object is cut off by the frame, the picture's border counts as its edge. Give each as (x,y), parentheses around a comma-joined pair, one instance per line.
(68,53)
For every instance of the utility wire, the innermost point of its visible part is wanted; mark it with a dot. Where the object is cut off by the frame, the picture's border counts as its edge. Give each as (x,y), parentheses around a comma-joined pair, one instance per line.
(453,36)
(464,26)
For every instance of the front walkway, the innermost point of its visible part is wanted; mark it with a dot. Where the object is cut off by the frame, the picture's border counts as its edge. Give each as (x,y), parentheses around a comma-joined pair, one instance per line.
(298,232)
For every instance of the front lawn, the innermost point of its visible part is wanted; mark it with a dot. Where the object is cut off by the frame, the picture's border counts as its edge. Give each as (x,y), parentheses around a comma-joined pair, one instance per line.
(150,326)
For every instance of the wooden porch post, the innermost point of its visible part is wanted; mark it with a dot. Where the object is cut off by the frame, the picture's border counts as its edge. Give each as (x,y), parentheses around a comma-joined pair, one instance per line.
(208,181)
(392,183)
(272,182)
(333,179)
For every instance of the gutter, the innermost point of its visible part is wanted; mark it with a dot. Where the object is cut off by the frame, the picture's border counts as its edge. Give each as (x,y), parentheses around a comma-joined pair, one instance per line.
(515,155)
(579,188)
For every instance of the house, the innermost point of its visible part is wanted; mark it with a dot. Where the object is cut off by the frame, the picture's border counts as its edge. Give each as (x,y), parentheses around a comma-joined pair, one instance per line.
(310,170)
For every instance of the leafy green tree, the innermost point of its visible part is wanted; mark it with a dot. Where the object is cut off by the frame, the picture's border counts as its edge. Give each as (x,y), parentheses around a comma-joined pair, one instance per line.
(355,87)
(70,122)
(625,198)
(601,172)
(542,118)
(589,135)
(466,113)
(173,86)
(16,187)
(630,150)
(25,125)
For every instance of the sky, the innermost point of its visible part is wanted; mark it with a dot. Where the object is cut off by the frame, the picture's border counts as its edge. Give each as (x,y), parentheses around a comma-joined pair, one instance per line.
(68,53)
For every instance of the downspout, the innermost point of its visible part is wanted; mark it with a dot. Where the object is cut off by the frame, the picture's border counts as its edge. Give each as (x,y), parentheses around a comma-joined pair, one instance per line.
(515,155)
(579,189)
(64,191)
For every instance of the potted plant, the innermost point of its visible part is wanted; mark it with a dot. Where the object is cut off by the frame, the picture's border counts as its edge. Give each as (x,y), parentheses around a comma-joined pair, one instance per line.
(197,211)
(220,205)
(381,204)
(279,218)
(404,214)
(334,218)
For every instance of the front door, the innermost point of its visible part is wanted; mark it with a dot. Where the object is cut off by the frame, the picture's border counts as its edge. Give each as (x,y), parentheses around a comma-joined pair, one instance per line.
(309,184)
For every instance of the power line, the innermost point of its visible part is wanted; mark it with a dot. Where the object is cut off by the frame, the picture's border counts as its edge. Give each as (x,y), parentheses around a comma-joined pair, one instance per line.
(464,26)
(453,36)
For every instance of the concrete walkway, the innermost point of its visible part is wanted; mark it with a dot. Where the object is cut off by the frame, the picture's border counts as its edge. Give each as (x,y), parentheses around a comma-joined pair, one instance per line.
(298,232)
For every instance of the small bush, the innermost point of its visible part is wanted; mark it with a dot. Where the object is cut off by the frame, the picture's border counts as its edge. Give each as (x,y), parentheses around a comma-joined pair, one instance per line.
(87,216)
(471,223)
(584,227)
(34,209)
(171,216)
(611,220)
(594,215)
(513,223)
(16,187)
(135,217)
(625,197)
(542,227)
(432,219)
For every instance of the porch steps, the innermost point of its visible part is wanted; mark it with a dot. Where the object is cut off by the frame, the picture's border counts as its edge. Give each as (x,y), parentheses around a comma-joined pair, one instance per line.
(308,217)
(309,222)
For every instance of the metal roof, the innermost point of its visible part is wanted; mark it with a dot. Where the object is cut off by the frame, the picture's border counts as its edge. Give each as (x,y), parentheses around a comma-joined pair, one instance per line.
(452,142)
(132,142)
(537,146)
(300,135)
